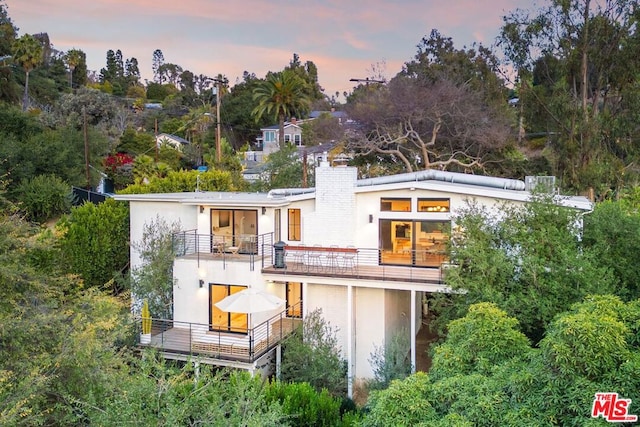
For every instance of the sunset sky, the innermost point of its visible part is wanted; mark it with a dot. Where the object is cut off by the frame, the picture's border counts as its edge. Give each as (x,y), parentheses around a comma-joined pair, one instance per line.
(344,38)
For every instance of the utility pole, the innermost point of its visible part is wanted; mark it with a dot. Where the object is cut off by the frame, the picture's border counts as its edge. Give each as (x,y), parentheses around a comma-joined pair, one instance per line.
(86,148)
(219,83)
(156,135)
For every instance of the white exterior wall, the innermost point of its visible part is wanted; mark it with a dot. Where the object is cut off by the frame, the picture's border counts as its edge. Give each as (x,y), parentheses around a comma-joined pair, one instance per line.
(307,209)
(144,213)
(191,303)
(371,314)
(397,312)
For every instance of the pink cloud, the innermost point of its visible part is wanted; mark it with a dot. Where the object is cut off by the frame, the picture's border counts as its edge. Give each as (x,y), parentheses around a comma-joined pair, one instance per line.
(343,38)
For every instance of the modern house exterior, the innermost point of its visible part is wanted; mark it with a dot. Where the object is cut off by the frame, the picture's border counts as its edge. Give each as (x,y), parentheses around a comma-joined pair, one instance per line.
(364,251)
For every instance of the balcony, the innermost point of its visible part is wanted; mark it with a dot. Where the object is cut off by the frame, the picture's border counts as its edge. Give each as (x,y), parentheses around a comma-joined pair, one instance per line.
(332,261)
(359,263)
(246,248)
(179,340)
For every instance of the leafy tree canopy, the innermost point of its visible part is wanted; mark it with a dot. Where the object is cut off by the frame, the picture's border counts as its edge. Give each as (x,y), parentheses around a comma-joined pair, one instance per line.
(517,253)
(94,241)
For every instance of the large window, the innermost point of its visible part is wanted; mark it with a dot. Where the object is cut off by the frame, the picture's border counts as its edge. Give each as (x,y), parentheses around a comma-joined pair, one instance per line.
(270,136)
(297,139)
(235,227)
(395,205)
(294,225)
(222,320)
(410,242)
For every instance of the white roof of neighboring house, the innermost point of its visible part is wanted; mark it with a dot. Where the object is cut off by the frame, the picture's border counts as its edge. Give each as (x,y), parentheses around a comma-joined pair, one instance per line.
(174,140)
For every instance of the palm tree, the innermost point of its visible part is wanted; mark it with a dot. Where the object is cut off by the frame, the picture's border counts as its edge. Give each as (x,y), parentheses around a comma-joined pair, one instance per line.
(280,95)
(73,58)
(27,51)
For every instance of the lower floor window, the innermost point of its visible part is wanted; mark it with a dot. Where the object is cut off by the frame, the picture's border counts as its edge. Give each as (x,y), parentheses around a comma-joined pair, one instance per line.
(294,299)
(222,320)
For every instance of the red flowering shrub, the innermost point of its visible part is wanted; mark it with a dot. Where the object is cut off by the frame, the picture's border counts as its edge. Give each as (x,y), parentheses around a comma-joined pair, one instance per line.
(114,161)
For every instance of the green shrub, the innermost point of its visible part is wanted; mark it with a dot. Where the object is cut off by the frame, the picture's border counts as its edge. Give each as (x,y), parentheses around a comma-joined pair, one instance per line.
(311,354)
(44,197)
(391,361)
(94,240)
(304,405)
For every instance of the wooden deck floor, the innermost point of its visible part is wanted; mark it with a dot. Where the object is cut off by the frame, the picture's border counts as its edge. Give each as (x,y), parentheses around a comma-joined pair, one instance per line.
(364,272)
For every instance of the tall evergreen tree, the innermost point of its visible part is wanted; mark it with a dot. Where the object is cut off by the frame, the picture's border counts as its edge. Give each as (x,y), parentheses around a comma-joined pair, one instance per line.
(158,61)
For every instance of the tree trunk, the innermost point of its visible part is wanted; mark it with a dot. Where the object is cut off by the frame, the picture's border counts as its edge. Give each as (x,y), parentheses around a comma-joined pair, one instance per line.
(281,131)
(585,46)
(25,97)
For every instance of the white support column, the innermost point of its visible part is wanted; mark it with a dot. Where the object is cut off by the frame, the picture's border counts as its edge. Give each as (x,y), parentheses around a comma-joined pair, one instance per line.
(413,331)
(278,360)
(305,296)
(350,355)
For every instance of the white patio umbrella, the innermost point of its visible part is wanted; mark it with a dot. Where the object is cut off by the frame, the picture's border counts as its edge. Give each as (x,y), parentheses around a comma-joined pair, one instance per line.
(250,300)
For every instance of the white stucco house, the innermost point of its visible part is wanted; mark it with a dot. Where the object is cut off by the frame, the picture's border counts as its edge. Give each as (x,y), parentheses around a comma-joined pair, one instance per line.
(173,141)
(364,251)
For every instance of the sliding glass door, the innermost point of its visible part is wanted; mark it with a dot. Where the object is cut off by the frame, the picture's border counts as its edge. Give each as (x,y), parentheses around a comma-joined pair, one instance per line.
(415,243)
(235,228)
(222,320)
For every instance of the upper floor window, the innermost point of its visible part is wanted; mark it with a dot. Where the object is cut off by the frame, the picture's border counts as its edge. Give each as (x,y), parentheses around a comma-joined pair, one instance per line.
(395,205)
(294,225)
(297,139)
(433,205)
(287,137)
(270,136)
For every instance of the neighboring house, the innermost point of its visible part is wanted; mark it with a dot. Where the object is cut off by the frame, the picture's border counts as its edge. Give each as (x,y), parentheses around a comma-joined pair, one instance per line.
(366,252)
(292,133)
(254,172)
(342,116)
(268,142)
(172,140)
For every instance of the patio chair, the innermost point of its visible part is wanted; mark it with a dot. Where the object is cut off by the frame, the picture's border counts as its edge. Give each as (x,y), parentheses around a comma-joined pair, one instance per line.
(332,258)
(315,258)
(299,257)
(349,258)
